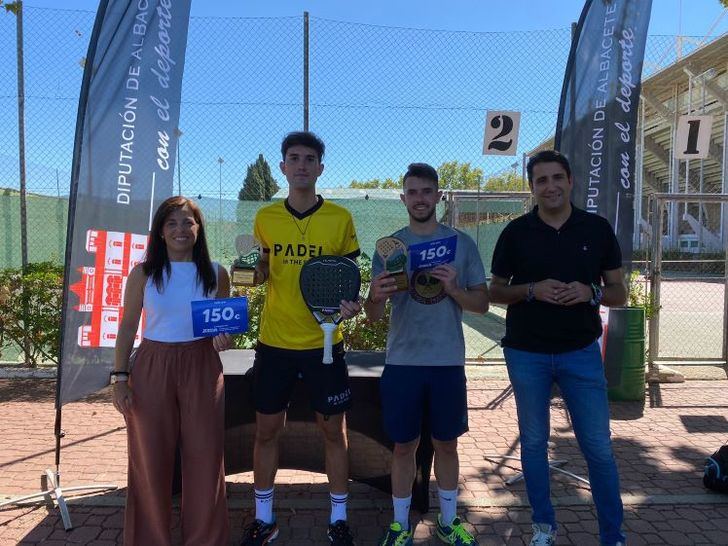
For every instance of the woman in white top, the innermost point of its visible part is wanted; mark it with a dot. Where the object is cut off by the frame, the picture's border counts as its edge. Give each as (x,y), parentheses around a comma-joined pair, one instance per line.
(174,394)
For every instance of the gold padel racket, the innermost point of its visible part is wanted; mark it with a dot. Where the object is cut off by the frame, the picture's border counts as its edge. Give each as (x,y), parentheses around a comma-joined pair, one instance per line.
(393,252)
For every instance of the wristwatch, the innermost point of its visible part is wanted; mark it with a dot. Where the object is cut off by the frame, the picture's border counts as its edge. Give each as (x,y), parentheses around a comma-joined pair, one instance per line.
(531,295)
(118,377)
(596,298)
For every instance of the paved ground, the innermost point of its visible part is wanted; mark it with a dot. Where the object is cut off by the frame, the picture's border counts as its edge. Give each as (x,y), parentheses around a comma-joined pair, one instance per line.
(660,446)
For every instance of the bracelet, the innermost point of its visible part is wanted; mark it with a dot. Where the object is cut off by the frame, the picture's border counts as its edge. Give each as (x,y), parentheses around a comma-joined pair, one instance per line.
(596,298)
(530,296)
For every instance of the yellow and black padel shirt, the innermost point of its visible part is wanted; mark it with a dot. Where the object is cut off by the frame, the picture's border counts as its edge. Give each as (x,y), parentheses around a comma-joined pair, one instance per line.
(290,239)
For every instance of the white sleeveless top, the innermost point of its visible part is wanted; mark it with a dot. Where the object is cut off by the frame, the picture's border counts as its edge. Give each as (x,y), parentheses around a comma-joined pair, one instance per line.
(168,313)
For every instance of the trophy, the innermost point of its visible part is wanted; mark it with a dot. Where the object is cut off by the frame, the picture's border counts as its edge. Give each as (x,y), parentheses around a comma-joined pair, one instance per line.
(242,272)
(394,255)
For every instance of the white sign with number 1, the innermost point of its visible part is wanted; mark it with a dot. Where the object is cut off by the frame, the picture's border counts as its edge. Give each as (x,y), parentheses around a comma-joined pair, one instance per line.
(501,133)
(693,137)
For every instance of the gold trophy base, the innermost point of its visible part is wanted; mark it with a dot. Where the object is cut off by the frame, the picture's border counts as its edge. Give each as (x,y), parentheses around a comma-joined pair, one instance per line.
(242,276)
(401,281)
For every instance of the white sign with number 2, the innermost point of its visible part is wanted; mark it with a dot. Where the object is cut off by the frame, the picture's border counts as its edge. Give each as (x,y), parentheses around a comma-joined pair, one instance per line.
(501,133)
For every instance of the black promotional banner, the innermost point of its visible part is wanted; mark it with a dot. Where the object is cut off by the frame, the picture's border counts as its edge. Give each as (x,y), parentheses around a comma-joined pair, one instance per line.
(597,120)
(122,170)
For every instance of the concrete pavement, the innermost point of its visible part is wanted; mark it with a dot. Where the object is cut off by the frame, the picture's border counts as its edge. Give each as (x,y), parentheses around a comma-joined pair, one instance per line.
(660,447)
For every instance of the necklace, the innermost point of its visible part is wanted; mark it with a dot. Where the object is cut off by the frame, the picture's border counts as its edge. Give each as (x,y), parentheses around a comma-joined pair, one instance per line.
(295,216)
(303,230)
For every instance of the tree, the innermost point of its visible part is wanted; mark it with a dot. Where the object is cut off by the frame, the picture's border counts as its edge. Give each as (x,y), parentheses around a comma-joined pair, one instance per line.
(375,183)
(366,184)
(459,176)
(452,174)
(259,184)
(724,3)
(506,182)
(12,7)
(390,184)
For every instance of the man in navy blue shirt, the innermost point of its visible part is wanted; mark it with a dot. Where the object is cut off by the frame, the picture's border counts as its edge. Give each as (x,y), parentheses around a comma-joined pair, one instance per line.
(553,267)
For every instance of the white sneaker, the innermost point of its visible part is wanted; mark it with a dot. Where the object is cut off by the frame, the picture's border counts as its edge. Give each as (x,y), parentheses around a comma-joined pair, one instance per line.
(543,535)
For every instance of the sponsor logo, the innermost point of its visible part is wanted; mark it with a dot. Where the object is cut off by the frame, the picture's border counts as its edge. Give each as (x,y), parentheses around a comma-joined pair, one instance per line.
(297,251)
(425,288)
(100,290)
(296,254)
(340,398)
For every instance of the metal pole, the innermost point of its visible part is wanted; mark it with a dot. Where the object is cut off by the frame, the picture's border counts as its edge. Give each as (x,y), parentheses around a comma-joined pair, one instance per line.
(523,171)
(305,70)
(724,236)
(639,180)
(673,209)
(687,161)
(572,82)
(220,161)
(21,161)
(21,136)
(701,184)
(179,173)
(178,134)
(477,218)
(59,216)
(656,206)
(724,185)
(678,38)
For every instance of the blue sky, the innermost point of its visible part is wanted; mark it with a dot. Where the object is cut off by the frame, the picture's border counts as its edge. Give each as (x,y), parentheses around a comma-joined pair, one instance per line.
(383,92)
(687,17)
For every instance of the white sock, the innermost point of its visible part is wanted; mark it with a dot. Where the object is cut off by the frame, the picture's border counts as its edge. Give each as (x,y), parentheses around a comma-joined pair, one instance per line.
(448,505)
(264,505)
(401,510)
(338,506)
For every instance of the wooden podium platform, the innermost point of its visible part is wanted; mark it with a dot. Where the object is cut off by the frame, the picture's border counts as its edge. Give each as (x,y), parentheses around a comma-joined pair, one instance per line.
(370,451)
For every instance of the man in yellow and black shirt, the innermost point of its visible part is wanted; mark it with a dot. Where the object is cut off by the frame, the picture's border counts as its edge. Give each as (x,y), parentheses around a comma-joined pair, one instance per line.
(290,343)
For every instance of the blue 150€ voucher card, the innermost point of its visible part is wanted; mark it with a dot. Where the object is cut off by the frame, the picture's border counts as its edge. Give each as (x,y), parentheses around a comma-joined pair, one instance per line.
(432,253)
(223,316)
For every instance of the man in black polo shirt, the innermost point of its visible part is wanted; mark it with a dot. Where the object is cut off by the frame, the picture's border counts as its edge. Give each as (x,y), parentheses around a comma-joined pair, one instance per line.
(553,267)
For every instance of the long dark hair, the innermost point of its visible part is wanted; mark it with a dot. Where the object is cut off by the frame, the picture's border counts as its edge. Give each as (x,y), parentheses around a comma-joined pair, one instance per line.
(156,260)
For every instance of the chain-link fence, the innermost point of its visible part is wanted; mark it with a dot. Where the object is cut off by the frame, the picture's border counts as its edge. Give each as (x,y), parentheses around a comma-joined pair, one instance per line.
(380,97)
(688,287)
(483,216)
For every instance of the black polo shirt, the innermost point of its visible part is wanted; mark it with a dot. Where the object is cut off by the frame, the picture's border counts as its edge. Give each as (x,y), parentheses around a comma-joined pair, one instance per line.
(529,250)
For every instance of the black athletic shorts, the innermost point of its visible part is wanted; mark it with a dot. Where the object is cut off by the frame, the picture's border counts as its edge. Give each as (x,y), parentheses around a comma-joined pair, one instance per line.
(275,372)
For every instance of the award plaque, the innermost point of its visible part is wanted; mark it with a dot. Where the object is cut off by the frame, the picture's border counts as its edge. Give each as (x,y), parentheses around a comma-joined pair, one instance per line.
(242,272)
(394,256)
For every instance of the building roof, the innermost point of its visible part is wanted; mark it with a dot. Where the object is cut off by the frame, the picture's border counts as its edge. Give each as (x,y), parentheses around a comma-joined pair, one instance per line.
(348,193)
(669,88)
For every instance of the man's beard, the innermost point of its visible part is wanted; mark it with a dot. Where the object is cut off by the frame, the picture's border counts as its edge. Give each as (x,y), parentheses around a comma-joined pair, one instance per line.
(422,220)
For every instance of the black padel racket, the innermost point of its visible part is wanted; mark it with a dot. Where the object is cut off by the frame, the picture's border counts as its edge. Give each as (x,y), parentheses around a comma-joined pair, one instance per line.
(325,281)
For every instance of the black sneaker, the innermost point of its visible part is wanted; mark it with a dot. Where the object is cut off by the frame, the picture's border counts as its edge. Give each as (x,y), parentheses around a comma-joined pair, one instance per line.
(259,533)
(339,534)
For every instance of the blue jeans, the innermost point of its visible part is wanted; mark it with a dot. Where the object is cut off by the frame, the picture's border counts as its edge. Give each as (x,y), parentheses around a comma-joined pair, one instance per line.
(580,376)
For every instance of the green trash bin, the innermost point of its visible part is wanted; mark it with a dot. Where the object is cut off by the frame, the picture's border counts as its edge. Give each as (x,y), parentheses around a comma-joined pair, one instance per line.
(624,359)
